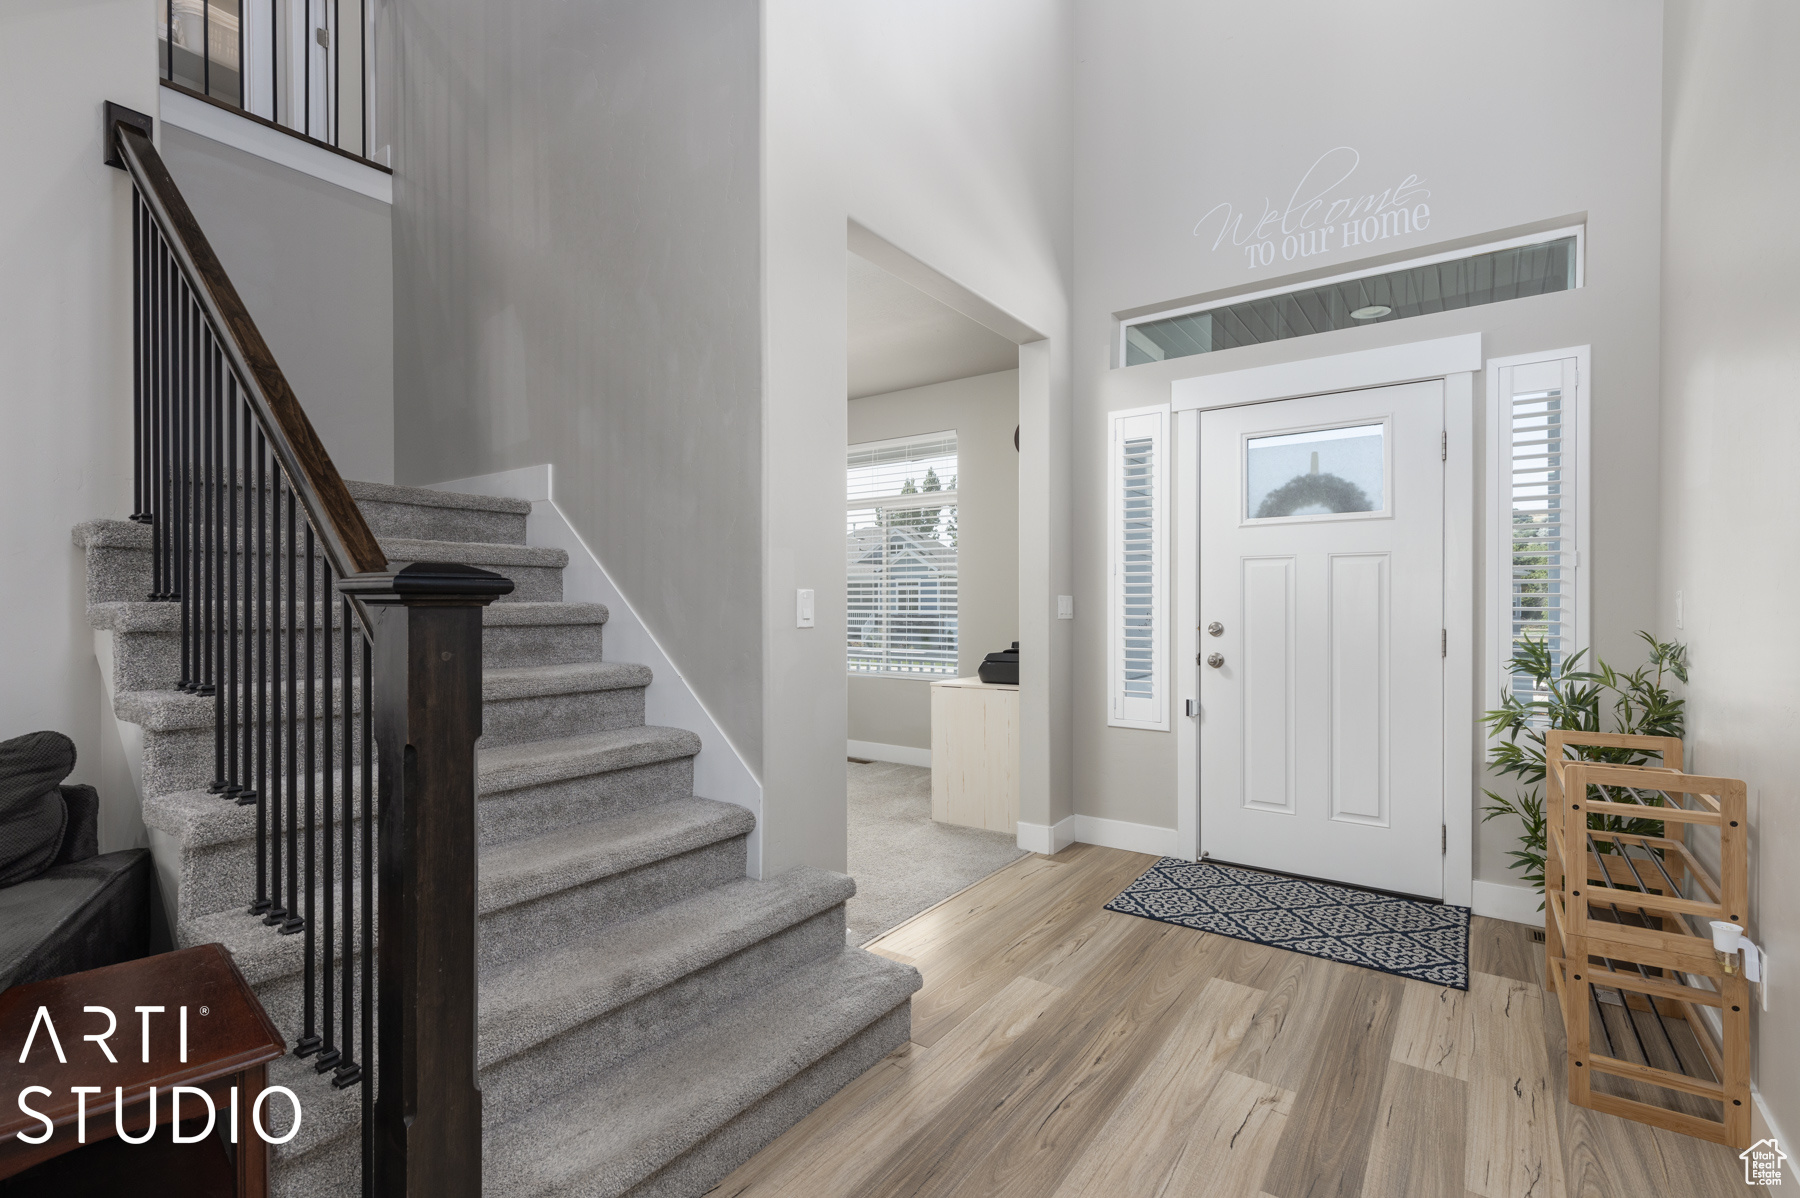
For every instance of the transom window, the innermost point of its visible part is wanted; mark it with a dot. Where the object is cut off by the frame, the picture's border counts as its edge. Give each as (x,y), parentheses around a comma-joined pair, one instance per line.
(901,578)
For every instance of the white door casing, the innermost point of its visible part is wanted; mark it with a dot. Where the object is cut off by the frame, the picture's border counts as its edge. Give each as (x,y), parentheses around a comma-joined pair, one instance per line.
(1322,736)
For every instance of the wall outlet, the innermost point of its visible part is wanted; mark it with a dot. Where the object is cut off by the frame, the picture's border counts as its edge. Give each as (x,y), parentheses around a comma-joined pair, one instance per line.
(1065,607)
(803,608)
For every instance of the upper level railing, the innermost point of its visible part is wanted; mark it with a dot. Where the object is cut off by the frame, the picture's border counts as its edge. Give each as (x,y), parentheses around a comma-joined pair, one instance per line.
(306,66)
(346,695)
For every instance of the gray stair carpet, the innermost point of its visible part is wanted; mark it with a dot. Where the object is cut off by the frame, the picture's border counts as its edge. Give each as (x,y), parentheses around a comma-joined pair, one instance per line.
(649,1016)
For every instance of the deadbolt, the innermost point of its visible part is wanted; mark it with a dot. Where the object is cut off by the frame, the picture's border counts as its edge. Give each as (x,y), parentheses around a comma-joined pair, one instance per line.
(1215,660)
(1215,629)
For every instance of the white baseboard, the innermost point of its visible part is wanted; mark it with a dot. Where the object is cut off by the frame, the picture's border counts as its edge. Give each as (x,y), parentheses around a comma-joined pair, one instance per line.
(1048,839)
(720,771)
(1515,904)
(1133,838)
(898,754)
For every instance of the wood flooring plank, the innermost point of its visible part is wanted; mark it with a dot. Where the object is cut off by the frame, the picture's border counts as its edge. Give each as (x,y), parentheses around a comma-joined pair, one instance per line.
(1430,1033)
(1504,949)
(1236,1134)
(1418,1147)
(967,974)
(1279,1047)
(1020,1124)
(1145,1137)
(1512,1147)
(1324,1148)
(835,1147)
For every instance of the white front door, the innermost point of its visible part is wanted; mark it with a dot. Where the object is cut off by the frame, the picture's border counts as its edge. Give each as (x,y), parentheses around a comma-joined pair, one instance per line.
(1321,616)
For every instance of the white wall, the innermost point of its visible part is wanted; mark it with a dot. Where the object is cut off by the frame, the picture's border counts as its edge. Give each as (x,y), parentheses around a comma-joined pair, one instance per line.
(1509,114)
(982,411)
(577,281)
(65,337)
(314,263)
(1730,431)
(942,127)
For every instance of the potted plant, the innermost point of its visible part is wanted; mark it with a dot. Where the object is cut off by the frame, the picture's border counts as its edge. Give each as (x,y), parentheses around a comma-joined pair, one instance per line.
(1565,696)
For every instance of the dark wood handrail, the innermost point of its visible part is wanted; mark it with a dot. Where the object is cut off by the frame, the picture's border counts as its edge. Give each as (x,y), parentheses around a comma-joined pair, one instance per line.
(345,537)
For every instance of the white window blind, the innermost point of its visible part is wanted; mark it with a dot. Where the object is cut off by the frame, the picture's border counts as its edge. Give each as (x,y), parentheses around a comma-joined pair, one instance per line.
(1538,532)
(901,579)
(1137,612)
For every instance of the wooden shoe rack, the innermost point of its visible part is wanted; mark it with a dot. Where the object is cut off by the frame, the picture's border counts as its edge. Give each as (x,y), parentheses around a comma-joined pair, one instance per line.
(1627,945)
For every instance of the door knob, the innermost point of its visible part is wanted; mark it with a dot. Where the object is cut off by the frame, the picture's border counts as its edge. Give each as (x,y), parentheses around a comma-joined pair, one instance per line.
(1215,629)
(1215,660)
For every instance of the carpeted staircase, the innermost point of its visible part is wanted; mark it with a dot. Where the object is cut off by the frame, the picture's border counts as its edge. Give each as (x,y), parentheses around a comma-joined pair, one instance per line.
(649,1016)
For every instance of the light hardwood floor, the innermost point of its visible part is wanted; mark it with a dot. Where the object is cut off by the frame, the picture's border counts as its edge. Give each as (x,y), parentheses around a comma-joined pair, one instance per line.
(1063,1051)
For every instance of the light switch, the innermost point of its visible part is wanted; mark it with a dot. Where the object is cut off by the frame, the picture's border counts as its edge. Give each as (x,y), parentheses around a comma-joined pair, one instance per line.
(803,608)
(1065,607)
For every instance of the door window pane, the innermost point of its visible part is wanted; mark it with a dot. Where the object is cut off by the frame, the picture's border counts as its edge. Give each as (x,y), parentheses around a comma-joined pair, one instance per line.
(1319,473)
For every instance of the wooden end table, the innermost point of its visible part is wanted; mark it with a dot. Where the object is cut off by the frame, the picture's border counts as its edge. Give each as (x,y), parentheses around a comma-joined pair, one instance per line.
(230,1041)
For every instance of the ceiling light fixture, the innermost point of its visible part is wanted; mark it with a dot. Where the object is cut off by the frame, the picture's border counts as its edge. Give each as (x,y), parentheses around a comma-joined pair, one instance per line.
(1372,312)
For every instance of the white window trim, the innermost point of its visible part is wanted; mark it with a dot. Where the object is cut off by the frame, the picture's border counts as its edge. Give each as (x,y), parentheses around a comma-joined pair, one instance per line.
(1151,714)
(1499,502)
(1578,232)
(903,502)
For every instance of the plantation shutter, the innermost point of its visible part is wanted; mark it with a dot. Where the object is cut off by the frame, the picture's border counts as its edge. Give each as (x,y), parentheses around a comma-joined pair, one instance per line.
(1537,460)
(1137,609)
(901,576)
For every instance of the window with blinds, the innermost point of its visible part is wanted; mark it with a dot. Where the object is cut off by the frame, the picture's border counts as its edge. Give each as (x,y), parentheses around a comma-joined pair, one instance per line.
(901,579)
(1538,549)
(1138,534)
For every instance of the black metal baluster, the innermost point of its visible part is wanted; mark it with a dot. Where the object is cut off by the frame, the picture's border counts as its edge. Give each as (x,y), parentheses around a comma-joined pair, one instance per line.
(184,589)
(260,607)
(158,320)
(309,1039)
(139,348)
(246,793)
(166,512)
(209,546)
(347,1069)
(228,560)
(328,1053)
(206,48)
(277,634)
(291,640)
(368,918)
(362,72)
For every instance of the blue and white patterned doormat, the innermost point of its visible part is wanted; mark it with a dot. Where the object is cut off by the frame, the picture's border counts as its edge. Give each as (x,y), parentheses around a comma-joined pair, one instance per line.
(1428,942)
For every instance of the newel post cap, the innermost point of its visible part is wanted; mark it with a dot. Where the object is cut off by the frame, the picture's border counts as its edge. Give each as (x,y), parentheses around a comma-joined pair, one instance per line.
(429,582)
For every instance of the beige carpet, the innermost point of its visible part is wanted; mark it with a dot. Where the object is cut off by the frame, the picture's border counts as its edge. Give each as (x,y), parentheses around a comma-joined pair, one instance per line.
(902,860)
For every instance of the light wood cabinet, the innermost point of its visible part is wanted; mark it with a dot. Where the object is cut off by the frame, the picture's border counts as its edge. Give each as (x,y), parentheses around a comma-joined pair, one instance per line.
(975,754)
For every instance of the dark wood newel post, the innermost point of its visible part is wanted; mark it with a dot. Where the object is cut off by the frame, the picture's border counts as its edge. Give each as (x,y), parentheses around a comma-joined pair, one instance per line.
(426,620)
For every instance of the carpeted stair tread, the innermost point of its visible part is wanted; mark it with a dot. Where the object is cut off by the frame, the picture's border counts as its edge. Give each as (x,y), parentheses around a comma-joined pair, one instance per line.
(529,1001)
(198,817)
(125,534)
(173,710)
(523,682)
(601,1139)
(515,767)
(430,497)
(522,870)
(510,874)
(143,615)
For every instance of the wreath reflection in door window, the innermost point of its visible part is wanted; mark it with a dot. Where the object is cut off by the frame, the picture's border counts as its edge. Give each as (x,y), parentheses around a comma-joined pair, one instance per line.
(1323,472)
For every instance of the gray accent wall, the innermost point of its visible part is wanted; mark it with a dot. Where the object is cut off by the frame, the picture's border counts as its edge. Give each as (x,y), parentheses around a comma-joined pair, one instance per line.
(578,281)
(1730,355)
(314,264)
(1513,116)
(983,411)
